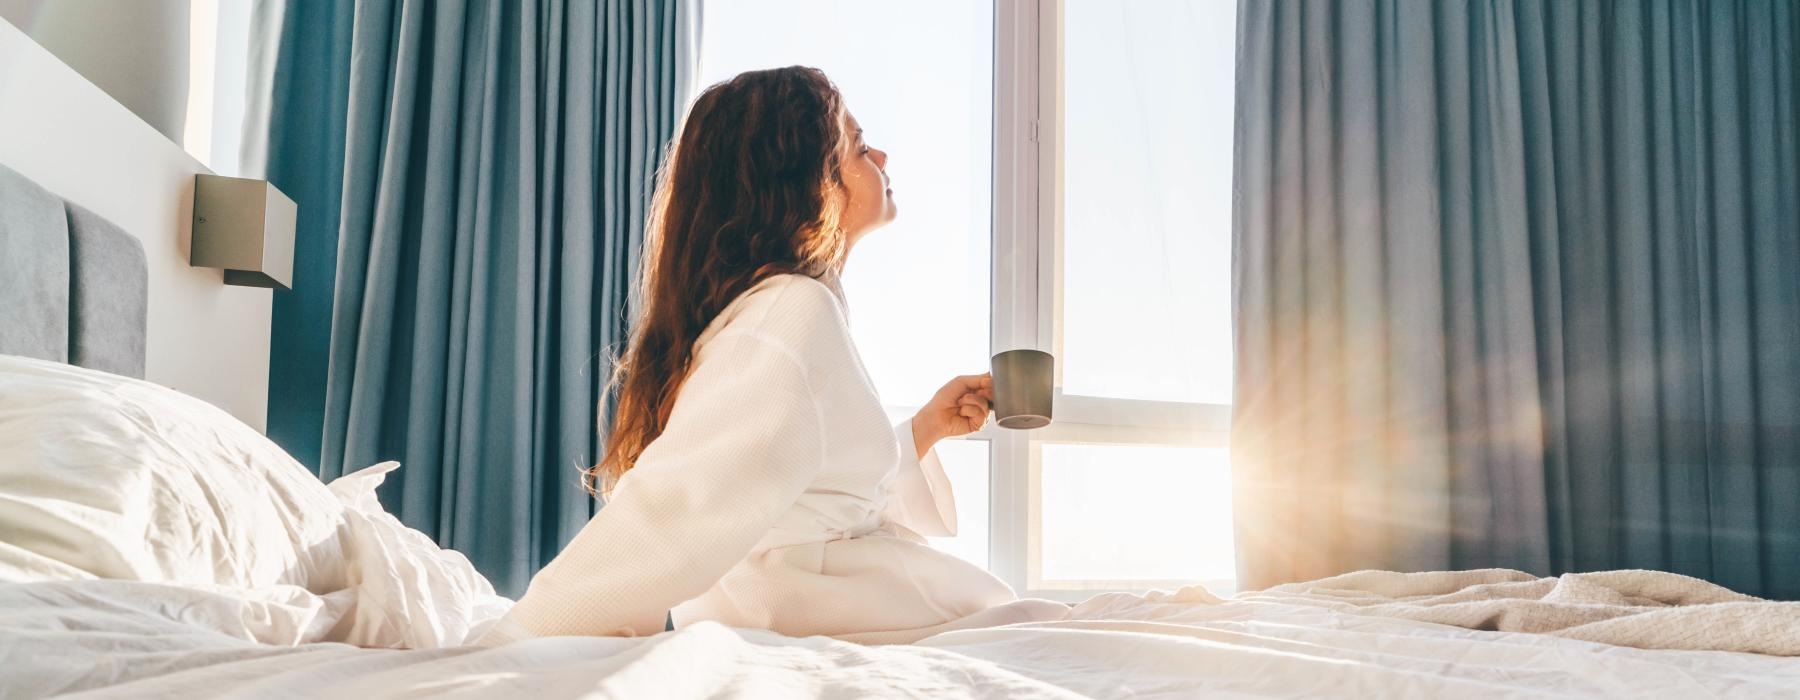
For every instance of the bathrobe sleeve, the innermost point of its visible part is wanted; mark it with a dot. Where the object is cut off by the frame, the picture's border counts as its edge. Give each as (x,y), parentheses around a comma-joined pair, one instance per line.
(919,497)
(744,440)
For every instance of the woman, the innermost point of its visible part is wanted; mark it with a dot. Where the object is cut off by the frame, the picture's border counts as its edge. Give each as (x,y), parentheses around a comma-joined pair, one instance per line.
(754,478)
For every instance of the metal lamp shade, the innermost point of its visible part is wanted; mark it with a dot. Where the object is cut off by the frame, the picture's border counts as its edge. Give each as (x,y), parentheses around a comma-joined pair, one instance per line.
(246,228)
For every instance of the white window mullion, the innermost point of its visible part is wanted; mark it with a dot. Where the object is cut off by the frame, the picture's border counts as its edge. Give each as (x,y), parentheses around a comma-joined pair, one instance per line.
(1049,143)
(1018,320)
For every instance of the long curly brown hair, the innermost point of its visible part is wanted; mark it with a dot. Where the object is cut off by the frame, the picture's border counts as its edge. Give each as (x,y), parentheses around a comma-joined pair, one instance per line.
(751,188)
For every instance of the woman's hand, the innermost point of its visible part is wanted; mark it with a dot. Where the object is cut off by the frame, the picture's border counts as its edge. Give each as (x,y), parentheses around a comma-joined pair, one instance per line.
(960,408)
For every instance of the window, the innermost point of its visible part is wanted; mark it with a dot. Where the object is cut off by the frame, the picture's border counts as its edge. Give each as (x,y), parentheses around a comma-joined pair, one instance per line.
(1131,488)
(1063,176)
(918,75)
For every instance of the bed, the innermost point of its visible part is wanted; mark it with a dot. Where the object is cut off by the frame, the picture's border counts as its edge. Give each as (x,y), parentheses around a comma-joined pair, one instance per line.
(152,547)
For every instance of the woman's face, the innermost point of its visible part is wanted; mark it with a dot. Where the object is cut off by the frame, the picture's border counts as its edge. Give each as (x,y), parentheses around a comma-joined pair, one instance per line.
(870,203)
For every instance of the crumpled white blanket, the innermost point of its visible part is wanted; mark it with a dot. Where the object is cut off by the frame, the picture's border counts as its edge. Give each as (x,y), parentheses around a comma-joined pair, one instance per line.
(1632,608)
(406,592)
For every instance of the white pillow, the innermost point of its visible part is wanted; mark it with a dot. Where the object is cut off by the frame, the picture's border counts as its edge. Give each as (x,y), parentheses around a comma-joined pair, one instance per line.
(111,477)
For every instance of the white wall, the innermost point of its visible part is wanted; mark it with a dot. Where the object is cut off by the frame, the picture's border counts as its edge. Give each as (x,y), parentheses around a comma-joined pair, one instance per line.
(205,339)
(180,65)
(135,51)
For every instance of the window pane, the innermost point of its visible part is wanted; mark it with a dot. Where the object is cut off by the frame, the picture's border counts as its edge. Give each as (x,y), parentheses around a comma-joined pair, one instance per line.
(1135,513)
(918,75)
(1146,275)
(966,463)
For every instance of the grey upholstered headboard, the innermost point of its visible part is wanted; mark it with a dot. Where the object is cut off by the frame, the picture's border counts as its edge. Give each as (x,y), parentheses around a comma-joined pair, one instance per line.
(73,287)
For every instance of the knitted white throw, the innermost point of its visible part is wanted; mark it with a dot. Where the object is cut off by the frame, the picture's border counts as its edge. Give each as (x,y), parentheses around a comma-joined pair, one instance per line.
(1634,608)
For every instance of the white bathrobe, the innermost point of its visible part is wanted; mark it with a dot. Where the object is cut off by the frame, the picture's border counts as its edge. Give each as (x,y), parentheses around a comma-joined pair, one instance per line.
(778,497)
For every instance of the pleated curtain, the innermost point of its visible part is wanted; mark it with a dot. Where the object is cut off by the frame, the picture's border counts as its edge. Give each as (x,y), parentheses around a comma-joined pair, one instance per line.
(1517,284)
(497,161)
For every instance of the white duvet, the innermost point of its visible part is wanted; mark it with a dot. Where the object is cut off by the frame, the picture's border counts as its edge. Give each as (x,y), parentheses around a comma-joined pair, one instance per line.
(151,547)
(127,639)
(1355,636)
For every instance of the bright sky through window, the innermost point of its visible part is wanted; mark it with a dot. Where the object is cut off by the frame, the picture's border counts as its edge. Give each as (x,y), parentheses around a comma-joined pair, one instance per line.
(918,75)
(1147,199)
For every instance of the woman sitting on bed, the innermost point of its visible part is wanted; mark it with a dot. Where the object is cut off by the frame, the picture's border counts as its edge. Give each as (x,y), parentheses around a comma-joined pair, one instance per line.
(753,478)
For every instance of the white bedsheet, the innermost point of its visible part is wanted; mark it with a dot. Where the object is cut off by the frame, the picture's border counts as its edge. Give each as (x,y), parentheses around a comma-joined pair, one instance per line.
(127,639)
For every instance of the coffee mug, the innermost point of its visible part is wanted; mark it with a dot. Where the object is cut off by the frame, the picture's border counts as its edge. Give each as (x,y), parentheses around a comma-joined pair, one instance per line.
(1023,388)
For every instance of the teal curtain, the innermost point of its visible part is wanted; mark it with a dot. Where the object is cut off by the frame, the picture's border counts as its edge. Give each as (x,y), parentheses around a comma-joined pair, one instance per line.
(497,162)
(1518,284)
(305,160)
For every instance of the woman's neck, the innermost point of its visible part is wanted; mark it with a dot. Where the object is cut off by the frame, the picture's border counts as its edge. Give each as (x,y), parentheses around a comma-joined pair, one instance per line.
(833,280)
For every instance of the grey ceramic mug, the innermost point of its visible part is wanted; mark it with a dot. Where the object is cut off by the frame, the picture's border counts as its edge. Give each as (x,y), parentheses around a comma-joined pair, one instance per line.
(1023,388)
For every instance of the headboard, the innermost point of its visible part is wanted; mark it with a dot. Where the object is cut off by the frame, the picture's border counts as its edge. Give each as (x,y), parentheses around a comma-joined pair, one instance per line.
(73,287)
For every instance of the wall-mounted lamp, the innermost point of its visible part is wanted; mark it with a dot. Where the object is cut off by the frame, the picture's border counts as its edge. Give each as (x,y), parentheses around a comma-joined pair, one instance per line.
(246,227)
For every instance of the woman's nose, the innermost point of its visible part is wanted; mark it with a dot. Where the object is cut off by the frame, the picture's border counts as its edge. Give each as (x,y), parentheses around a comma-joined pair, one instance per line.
(880,158)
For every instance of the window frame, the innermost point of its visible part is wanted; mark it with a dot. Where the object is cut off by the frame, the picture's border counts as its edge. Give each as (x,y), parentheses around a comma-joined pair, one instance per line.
(1027,233)
(1026,304)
